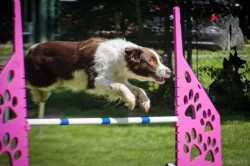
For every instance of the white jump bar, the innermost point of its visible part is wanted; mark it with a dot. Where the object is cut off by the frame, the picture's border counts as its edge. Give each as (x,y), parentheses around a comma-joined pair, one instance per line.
(79,121)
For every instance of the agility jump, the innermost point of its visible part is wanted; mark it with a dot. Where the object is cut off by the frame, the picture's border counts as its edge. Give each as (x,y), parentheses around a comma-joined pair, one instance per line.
(190,131)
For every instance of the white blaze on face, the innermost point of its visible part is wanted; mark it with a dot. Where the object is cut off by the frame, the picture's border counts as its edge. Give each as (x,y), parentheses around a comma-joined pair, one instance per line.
(162,70)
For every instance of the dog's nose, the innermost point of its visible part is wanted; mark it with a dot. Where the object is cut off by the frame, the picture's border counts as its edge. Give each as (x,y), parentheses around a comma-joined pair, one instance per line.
(167,72)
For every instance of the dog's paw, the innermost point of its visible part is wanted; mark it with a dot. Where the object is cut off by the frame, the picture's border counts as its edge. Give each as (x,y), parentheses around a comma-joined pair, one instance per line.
(143,100)
(130,102)
(128,97)
(145,105)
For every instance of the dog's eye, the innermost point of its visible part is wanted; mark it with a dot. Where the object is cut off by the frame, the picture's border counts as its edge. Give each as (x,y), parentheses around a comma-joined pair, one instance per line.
(152,60)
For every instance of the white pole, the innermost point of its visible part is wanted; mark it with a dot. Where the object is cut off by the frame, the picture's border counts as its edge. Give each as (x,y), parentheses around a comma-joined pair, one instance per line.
(41,110)
(78,121)
(41,114)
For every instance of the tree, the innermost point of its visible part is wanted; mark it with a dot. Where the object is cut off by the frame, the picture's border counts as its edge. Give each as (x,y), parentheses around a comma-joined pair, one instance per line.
(139,19)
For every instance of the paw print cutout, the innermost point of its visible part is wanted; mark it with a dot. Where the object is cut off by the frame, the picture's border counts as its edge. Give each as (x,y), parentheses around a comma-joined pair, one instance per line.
(10,143)
(10,102)
(210,149)
(195,146)
(207,120)
(192,99)
(7,101)
(10,76)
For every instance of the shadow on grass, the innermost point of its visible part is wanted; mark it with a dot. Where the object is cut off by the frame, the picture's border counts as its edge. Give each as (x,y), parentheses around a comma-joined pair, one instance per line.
(230,115)
(72,105)
(66,103)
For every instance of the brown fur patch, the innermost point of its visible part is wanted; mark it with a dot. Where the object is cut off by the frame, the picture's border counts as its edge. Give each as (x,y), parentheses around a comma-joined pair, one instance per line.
(57,59)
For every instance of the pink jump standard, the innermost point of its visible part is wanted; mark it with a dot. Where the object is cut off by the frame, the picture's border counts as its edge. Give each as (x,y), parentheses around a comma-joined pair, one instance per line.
(13,100)
(190,131)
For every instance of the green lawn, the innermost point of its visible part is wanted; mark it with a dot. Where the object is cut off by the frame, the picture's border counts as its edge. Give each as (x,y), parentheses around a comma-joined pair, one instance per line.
(123,145)
(103,145)
(127,145)
(7,49)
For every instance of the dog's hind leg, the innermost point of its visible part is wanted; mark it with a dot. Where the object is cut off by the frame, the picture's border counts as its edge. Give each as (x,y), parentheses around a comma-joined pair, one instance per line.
(39,97)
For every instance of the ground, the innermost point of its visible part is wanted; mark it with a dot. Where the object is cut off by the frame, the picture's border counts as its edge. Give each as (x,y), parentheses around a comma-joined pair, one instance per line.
(133,145)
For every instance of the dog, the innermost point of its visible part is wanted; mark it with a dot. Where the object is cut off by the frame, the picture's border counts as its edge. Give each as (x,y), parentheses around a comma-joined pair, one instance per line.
(98,66)
(228,81)
(234,63)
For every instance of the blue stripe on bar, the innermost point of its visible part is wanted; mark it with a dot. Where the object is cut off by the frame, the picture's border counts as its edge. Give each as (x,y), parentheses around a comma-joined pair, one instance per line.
(145,120)
(64,121)
(105,121)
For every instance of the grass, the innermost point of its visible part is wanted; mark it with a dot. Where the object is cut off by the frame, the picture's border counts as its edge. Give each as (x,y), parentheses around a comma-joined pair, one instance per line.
(122,145)
(133,145)
(7,49)
(210,59)
(245,50)
(103,145)
(236,143)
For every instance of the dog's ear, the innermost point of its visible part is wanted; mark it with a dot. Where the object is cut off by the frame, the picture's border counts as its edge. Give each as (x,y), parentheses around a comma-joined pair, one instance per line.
(230,56)
(133,54)
(225,63)
(235,53)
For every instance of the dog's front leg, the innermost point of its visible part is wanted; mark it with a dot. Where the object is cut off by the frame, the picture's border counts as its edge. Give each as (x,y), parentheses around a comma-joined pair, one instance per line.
(141,96)
(110,88)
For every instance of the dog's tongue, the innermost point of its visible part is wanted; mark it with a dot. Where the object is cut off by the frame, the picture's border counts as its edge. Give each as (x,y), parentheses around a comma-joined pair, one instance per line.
(160,80)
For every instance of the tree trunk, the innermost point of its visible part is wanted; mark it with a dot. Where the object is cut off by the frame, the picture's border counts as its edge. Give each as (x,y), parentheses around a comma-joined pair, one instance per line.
(168,42)
(189,33)
(139,20)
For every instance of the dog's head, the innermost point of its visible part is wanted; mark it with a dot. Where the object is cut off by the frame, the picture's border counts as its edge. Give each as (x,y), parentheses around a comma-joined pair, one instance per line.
(234,62)
(147,64)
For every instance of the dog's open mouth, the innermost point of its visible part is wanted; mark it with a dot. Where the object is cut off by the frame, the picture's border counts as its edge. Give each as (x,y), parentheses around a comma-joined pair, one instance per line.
(159,80)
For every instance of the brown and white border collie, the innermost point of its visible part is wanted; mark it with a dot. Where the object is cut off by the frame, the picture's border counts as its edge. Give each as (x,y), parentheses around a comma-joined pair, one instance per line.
(99,66)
